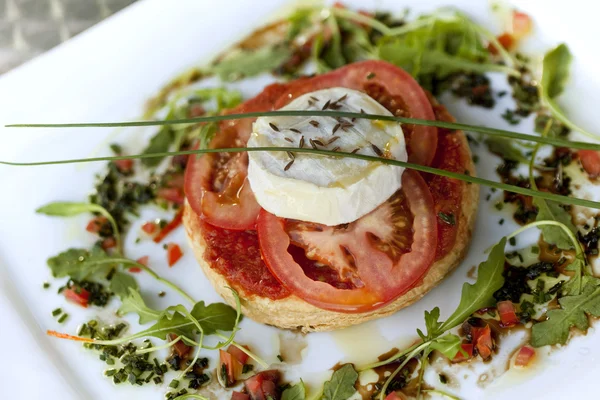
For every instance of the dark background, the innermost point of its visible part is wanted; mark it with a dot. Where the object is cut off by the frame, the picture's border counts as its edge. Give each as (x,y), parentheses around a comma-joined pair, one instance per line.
(31,27)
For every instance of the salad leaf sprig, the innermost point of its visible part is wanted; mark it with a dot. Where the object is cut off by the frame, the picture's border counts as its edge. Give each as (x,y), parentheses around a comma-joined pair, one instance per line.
(71,209)
(554,78)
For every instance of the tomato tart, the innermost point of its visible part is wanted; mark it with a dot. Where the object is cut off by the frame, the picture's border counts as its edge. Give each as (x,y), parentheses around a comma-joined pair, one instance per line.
(319,243)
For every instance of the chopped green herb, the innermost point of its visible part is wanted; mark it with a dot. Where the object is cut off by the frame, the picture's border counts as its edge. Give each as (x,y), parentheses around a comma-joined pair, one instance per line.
(63,318)
(46,285)
(447,218)
(56,311)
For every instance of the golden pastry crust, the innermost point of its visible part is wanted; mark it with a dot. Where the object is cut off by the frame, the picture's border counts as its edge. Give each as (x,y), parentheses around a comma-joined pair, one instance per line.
(294,313)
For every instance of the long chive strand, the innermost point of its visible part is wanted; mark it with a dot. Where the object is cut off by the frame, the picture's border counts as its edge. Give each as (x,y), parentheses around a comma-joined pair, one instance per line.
(421,168)
(557,142)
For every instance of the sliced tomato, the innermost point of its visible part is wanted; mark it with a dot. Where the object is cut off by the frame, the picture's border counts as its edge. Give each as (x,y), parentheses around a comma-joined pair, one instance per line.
(590,161)
(508,314)
(482,339)
(524,356)
(231,366)
(468,349)
(174,253)
(215,184)
(170,227)
(78,296)
(383,254)
(238,354)
(392,87)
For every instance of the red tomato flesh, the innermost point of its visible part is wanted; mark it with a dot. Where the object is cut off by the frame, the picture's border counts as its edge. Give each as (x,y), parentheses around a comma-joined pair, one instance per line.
(590,161)
(482,339)
(239,396)
(174,253)
(109,243)
(380,277)
(237,354)
(172,195)
(78,296)
(150,228)
(508,315)
(125,166)
(524,356)
(232,366)
(96,224)
(467,348)
(255,385)
(180,347)
(170,227)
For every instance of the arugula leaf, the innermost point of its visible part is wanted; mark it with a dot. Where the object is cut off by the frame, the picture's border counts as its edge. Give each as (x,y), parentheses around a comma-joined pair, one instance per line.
(121,283)
(68,209)
(244,63)
(333,56)
(574,285)
(214,317)
(296,392)
(159,143)
(551,211)
(175,323)
(134,303)
(505,148)
(341,385)
(448,345)
(438,45)
(555,74)
(432,324)
(481,293)
(78,264)
(573,312)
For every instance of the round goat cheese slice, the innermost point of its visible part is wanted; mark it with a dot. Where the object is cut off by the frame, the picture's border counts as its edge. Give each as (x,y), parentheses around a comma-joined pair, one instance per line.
(323,189)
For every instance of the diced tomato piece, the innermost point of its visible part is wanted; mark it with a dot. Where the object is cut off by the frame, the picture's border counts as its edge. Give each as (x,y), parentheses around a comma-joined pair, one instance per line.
(521,24)
(150,228)
(395,396)
(590,161)
(524,356)
(239,396)
(506,40)
(174,253)
(467,348)
(171,226)
(173,195)
(142,260)
(254,384)
(482,339)
(109,243)
(196,110)
(232,366)
(269,389)
(238,354)
(96,224)
(125,166)
(82,298)
(508,315)
(180,348)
